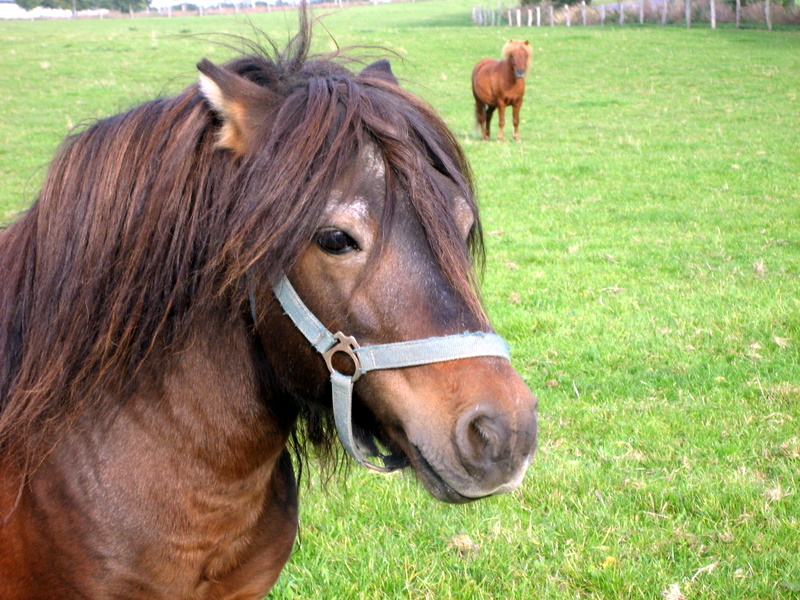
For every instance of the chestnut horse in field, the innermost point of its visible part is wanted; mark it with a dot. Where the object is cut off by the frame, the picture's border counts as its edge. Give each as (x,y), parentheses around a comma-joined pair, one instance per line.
(501,83)
(167,309)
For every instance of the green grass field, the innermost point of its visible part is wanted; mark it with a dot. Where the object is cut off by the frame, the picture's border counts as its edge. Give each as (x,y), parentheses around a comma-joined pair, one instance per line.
(643,247)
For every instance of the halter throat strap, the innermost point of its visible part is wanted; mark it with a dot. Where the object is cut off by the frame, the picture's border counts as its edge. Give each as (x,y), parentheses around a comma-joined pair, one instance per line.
(370,358)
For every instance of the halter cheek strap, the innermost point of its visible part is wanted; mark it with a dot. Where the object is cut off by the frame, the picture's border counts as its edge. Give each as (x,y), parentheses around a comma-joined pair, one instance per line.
(370,358)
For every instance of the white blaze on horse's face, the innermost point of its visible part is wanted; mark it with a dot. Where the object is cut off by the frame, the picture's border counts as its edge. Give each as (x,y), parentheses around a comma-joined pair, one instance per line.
(468,426)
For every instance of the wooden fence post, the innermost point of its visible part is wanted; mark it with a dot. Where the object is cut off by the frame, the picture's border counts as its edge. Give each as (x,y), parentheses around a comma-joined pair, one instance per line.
(767,20)
(567,16)
(530,16)
(583,12)
(738,13)
(602,15)
(687,5)
(641,12)
(664,12)
(622,13)
(551,15)
(519,17)
(713,14)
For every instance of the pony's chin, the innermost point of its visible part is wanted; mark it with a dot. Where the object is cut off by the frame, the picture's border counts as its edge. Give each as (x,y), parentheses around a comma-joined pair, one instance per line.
(434,482)
(398,458)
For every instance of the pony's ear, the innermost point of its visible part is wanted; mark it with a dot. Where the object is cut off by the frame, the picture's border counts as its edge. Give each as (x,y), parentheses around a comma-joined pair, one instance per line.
(236,100)
(380,69)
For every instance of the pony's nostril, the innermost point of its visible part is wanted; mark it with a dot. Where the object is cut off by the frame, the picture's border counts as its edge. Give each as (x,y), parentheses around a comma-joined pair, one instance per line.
(484,434)
(482,438)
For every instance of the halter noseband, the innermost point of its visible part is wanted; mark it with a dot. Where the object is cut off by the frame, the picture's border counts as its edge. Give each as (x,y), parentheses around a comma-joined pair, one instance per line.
(370,358)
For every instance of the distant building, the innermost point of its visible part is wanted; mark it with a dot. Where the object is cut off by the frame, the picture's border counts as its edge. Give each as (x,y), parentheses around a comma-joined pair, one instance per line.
(10,10)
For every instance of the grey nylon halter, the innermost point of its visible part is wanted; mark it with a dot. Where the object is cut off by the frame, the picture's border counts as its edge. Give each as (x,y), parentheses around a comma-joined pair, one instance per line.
(370,358)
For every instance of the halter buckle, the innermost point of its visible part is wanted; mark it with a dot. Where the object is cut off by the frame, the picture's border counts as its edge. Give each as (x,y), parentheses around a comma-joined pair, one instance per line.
(345,344)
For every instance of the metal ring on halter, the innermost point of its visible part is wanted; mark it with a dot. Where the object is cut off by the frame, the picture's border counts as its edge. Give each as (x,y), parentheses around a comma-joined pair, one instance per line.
(345,344)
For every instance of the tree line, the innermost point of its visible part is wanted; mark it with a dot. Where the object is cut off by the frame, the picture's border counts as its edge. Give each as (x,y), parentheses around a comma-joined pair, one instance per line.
(76,5)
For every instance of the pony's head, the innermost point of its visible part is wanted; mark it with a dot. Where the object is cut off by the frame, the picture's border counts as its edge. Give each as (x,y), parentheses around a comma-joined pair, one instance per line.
(519,53)
(383,192)
(185,207)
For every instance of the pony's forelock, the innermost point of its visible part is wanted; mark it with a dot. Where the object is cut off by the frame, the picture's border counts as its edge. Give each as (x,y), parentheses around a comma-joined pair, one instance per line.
(511,45)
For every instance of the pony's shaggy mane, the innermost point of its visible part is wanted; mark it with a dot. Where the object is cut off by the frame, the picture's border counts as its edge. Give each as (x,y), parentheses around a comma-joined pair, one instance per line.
(144,224)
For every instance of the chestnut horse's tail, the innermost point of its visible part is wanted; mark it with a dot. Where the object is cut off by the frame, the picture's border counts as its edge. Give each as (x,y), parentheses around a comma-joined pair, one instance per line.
(480,92)
(480,111)
(483,92)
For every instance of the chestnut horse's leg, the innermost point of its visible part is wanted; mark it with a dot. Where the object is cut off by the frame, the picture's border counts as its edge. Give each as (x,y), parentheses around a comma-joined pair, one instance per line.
(516,107)
(501,116)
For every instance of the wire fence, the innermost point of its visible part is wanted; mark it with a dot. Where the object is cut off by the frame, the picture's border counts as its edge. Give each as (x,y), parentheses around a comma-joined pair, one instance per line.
(688,12)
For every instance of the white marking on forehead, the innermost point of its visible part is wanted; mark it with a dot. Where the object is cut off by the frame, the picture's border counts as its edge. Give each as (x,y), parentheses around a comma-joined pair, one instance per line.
(357,207)
(464,216)
(350,201)
(347,209)
(374,159)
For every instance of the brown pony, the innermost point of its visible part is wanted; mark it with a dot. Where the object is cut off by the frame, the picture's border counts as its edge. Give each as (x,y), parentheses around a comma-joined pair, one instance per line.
(154,397)
(500,83)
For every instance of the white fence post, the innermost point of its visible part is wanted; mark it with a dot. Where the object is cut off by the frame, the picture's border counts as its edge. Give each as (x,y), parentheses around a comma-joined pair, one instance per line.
(515,15)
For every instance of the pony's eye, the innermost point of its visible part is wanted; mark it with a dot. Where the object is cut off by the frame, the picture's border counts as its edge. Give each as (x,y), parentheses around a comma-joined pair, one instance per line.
(335,241)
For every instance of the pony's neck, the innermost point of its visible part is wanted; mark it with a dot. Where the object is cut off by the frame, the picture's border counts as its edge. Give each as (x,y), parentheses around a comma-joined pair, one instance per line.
(209,398)
(190,475)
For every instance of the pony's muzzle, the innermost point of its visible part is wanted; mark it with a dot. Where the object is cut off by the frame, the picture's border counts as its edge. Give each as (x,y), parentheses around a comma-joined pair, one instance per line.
(492,448)
(520,73)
